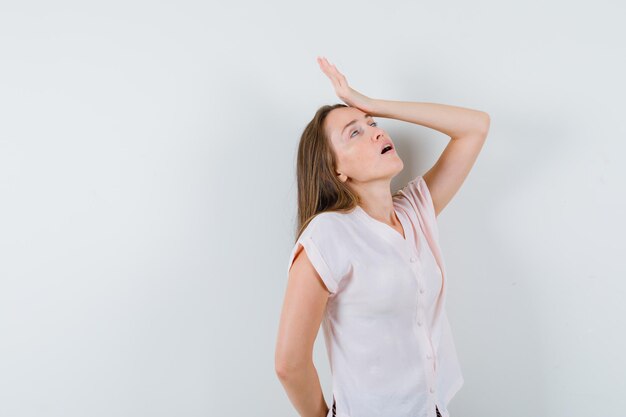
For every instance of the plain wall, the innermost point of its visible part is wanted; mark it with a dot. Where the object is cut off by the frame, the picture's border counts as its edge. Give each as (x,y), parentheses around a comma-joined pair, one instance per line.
(148,196)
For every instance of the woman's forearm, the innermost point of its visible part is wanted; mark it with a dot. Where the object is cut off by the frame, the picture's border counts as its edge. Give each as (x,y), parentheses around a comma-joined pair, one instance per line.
(452,120)
(304,391)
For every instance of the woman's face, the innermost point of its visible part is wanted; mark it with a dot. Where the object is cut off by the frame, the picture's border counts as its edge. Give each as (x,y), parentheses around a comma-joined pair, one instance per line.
(358,143)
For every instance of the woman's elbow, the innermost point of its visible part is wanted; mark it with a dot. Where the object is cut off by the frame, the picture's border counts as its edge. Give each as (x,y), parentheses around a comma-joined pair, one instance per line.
(285,366)
(486,123)
(288,360)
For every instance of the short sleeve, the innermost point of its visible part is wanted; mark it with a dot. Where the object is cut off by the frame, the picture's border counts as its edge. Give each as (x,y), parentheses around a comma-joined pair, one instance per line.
(322,244)
(418,194)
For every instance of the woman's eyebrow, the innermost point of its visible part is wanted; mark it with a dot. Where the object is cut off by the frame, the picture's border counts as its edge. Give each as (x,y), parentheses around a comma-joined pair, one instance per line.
(354,121)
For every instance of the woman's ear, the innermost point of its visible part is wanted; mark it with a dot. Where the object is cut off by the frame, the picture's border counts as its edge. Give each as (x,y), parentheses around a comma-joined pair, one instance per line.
(342,177)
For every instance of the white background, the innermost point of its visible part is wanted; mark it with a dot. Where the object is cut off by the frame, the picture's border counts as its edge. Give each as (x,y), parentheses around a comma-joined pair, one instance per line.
(147,196)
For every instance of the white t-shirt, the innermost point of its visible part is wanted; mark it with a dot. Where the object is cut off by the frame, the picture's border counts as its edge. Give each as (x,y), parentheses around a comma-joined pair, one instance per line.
(386,331)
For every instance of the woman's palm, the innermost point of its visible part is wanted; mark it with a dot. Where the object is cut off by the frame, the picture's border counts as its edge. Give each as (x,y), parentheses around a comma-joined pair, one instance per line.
(346,93)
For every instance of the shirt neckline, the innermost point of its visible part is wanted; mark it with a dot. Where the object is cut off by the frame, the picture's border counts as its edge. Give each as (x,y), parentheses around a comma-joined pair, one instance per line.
(384,226)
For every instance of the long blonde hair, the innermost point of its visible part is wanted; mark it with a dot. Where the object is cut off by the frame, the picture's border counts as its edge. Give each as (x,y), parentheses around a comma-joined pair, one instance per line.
(319,189)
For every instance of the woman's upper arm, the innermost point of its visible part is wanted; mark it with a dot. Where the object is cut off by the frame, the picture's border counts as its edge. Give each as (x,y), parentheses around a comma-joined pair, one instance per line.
(302,313)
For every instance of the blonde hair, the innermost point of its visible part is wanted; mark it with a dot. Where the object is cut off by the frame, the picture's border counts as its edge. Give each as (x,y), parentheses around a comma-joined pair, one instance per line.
(319,189)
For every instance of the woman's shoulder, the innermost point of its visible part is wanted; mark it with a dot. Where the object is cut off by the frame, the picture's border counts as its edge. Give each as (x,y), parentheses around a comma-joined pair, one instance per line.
(416,200)
(332,216)
(329,222)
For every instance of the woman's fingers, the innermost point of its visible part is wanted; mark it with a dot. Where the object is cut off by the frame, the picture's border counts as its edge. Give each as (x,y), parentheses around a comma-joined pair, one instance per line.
(350,96)
(338,79)
(332,76)
(325,66)
(335,72)
(340,84)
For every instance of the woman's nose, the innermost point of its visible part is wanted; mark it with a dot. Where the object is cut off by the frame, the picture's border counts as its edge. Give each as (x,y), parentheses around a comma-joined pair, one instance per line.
(378,135)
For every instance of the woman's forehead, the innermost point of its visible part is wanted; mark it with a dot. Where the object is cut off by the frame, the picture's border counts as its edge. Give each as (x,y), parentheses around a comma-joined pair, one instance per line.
(340,117)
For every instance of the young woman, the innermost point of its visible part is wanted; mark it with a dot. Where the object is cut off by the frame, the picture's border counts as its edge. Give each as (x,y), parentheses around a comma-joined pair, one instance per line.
(367,265)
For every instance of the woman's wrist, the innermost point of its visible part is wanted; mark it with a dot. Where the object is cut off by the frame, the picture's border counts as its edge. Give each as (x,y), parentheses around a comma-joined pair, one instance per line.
(375,107)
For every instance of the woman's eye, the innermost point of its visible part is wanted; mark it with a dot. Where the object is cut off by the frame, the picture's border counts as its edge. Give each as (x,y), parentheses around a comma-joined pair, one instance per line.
(354,131)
